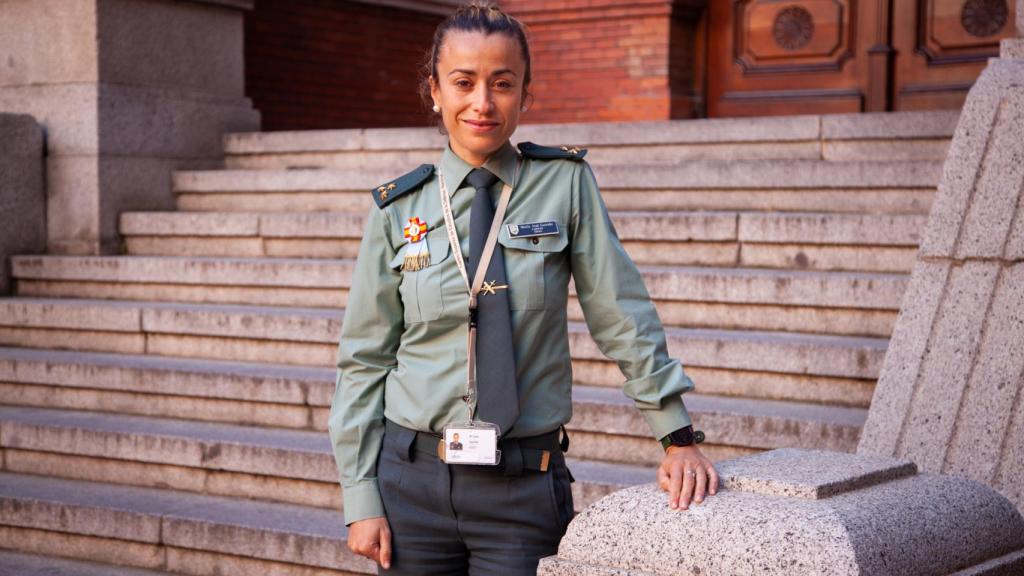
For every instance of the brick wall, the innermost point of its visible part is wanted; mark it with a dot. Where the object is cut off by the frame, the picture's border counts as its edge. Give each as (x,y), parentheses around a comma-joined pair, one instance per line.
(607,60)
(315,64)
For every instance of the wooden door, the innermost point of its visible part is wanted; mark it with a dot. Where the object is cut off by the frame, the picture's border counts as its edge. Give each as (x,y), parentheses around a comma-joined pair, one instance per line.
(942,46)
(770,57)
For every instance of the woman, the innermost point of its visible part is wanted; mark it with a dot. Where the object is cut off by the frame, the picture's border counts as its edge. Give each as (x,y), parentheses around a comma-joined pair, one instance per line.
(408,379)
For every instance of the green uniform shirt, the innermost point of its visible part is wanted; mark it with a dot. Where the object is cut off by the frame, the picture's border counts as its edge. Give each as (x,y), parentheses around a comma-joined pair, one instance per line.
(403,342)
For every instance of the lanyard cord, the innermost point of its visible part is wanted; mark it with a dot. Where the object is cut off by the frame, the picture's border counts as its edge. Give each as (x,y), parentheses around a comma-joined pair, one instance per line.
(481,271)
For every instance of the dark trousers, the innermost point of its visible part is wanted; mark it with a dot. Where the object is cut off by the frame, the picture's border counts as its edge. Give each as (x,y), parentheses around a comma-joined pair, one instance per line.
(462,519)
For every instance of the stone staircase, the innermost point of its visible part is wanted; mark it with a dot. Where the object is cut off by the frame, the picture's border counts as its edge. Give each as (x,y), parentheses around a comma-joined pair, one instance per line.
(166,409)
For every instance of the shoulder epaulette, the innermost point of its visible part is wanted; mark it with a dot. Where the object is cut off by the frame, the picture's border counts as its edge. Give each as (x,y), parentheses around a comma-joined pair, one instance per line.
(538,152)
(387,193)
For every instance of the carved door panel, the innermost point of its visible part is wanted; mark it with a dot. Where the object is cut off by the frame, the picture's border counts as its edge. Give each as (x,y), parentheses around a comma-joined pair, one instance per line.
(942,46)
(771,57)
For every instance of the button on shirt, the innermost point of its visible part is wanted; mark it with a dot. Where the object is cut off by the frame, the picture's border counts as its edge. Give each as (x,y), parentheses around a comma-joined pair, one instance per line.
(403,351)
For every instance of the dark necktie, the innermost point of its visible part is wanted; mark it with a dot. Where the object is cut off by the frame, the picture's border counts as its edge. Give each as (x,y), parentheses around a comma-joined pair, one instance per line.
(497,393)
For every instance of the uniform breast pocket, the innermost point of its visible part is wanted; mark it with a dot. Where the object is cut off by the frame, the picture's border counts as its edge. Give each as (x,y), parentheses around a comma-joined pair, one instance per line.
(528,263)
(421,289)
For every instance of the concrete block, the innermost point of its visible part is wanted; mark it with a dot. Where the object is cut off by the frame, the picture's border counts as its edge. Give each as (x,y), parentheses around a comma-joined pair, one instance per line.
(985,411)
(672,152)
(69,112)
(235,411)
(839,356)
(105,550)
(785,174)
(44,514)
(93,469)
(908,346)
(199,246)
(776,287)
(292,324)
(208,272)
(1011,48)
(850,392)
(188,45)
(999,185)
(119,342)
(49,42)
(189,224)
(947,364)
(72,208)
(966,154)
(275,202)
(71,315)
(836,514)
(199,563)
(312,225)
(888,125)
(817,257)
(241,349)
(155,375)
(15,564)
(885,150)
(289,248)
(832,228)
(248,181)
(166,121)
(23,198)
(857,199)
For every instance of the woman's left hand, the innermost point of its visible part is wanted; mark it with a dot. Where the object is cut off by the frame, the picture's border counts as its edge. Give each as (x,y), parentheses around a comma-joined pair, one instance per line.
(686,475)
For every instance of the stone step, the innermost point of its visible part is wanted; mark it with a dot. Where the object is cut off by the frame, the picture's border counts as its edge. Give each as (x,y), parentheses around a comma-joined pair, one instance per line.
(891,136)
(237,396)
(778,185)
(171,530)
(292,466)
(17,564)
(290,396)
(801,240)
(826,302)
(818,368)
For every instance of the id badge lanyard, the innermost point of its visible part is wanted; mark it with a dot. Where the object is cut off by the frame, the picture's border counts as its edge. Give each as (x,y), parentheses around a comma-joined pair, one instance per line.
(478,279)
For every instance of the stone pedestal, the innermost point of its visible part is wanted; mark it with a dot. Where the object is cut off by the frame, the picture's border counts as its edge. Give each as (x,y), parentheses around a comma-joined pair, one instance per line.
(22,193)
(800,512)
(127,91)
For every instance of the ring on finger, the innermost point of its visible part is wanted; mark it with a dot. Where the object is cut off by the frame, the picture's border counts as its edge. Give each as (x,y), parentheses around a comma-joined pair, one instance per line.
(691,473)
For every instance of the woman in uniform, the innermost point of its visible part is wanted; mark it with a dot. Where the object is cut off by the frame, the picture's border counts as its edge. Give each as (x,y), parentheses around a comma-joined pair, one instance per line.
(456,323)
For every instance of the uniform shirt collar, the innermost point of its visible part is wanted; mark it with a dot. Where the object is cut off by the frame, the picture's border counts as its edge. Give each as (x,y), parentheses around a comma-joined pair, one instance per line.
(502,164)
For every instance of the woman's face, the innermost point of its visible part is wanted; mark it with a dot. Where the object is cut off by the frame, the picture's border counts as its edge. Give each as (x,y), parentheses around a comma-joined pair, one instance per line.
(479,88)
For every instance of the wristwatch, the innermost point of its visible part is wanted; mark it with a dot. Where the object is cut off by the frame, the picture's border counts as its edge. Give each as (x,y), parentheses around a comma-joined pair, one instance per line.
(682,437)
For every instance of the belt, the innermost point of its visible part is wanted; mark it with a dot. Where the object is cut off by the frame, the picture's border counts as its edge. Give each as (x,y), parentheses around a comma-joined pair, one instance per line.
(531,452)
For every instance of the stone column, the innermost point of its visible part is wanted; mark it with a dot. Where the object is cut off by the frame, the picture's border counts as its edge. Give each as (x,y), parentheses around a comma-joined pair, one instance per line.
(950,396)
(22,194)
(127,90)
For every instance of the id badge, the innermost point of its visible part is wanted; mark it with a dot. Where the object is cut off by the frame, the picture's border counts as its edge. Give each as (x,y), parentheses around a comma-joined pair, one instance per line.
(471,443)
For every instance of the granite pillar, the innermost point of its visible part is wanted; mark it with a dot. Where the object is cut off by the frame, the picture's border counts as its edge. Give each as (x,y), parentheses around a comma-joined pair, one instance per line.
(127,90)
(22,191)
(950,395)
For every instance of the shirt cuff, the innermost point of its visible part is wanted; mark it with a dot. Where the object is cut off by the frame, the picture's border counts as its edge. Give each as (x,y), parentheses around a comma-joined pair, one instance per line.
(362,501)
(670,417)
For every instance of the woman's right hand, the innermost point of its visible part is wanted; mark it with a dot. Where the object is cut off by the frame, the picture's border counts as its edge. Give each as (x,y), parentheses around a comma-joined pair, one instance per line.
(371,538)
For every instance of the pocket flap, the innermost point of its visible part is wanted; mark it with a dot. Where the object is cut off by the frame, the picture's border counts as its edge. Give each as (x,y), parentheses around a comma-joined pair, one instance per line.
(550,243)
(437,243)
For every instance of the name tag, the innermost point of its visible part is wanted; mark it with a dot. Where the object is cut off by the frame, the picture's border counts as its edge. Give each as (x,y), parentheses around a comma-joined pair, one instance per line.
(533,229)
(472,443)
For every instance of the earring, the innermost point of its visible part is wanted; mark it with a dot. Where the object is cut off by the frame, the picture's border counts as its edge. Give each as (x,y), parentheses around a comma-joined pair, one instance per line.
(523,109)
(436,109)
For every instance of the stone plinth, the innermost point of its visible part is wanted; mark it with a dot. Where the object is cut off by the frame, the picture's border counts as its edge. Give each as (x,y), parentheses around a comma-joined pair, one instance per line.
(127,91)
(950,396)
(22,193)
(799,512)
